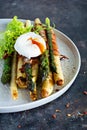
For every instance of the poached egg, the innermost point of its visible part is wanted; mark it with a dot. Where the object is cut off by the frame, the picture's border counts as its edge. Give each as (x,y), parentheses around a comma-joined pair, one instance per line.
(30,45)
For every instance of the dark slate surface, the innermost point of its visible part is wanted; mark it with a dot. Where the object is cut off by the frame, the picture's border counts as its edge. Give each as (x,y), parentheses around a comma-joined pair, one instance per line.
(70,17)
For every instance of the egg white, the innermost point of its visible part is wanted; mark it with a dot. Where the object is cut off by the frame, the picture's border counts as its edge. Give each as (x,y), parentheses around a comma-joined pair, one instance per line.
(25,47)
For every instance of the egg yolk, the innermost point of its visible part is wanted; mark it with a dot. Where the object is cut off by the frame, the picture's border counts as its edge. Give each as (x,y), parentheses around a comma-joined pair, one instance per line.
(40,45)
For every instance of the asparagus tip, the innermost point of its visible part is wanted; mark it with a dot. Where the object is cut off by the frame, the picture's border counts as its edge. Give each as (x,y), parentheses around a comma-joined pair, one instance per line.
(47,21)
(37,21)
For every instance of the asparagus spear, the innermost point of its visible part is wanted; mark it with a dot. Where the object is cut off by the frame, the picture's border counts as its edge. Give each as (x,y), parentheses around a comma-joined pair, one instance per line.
(43,82)
(28,71)
(6,74)
(44,65)
(51,56)
(33,95)
(54,55)
(45,75)
(44,60)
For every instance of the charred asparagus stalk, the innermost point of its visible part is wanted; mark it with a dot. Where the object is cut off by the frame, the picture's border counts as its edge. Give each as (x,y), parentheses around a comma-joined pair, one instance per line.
(45,75)
(51,56)
(29,81)
(44,65)
(33,94)
(44,61)
(54,55)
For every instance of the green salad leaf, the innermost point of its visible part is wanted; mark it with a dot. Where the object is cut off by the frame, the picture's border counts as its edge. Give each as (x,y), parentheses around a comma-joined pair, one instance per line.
(8,38)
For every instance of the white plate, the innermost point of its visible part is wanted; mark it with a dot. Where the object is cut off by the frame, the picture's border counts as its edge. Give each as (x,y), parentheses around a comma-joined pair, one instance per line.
(70,68)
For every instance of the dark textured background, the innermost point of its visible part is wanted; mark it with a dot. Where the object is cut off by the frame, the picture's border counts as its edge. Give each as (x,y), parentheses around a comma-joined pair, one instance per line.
(70,17)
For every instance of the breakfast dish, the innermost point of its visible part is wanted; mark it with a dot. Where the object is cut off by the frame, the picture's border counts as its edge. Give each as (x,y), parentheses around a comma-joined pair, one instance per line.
(38,75)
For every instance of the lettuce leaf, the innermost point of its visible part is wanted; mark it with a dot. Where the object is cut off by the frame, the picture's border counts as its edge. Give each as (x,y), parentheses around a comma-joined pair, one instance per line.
(8,38)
